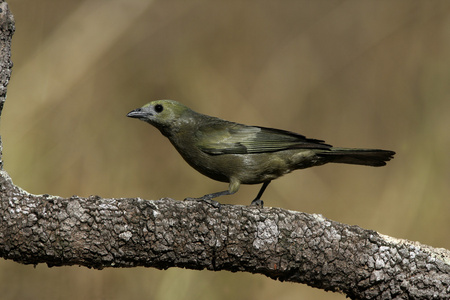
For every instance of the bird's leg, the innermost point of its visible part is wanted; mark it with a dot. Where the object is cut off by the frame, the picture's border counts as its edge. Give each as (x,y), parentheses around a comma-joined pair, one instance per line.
(208,198)
(232,188)
(257,201)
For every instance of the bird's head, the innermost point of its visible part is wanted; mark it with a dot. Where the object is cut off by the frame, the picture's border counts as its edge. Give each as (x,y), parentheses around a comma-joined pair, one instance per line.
(160,113)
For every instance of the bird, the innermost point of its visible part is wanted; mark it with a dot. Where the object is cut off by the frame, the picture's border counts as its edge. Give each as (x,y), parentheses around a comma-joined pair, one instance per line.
(241,154)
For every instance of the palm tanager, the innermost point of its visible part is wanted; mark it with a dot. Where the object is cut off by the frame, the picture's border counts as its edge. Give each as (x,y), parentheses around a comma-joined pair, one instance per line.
(241,154)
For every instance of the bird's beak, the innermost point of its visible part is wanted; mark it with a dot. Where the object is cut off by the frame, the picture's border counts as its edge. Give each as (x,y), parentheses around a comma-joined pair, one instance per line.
(138,113)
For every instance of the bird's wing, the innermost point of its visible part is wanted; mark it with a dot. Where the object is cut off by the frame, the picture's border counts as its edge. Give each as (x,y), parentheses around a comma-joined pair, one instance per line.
(234,138)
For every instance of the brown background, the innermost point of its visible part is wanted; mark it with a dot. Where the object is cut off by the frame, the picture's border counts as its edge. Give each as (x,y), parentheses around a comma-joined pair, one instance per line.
(354,73)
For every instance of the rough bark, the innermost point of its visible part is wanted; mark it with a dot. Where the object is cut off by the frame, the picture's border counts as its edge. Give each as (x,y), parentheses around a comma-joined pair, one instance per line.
(289,246)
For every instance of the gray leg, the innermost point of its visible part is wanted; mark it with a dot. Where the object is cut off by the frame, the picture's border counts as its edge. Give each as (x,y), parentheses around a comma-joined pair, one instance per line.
(232,188)
(208,198)
(257,201)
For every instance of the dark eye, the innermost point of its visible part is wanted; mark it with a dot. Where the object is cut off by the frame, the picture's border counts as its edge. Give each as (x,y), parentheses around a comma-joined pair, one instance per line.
(159,108)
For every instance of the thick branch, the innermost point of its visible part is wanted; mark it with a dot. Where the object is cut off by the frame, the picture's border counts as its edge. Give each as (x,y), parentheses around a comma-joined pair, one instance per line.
(7,29)
(285,245)
(281,244)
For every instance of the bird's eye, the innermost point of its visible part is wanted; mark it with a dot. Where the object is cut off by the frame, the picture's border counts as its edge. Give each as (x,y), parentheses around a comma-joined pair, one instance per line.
(159,108)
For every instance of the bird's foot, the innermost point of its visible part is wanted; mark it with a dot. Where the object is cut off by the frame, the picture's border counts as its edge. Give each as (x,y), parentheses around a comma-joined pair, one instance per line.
(207,200)
(258,203)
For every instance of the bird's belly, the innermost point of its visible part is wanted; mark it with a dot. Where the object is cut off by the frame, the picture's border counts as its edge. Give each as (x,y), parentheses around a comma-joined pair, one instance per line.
(261,167)
(251,168)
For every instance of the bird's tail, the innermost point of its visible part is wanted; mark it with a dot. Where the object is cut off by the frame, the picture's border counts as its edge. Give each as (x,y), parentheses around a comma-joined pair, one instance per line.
(366,157)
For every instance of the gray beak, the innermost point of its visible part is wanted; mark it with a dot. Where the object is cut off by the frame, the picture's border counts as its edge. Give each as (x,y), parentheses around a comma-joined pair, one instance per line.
(138,113)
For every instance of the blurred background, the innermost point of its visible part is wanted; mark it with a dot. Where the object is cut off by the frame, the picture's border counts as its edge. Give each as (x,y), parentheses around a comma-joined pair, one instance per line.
(355,73)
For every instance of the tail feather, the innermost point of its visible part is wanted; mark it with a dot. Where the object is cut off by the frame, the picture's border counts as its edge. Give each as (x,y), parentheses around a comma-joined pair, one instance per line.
(366,157)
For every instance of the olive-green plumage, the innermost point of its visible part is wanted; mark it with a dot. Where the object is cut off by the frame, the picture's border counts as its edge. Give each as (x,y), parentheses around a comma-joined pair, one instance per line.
(241,154)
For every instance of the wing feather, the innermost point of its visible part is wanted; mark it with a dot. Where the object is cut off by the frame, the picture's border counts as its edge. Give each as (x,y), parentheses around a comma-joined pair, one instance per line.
(234,138)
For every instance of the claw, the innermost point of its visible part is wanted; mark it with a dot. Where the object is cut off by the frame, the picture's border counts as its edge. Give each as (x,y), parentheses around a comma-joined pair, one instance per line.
(207,200)
(257,202)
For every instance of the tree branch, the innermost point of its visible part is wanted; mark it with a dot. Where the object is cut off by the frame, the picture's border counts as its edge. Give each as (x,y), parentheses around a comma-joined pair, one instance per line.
(289,246)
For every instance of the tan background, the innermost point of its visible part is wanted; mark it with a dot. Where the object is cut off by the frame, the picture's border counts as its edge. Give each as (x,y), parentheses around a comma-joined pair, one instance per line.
(354,73)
